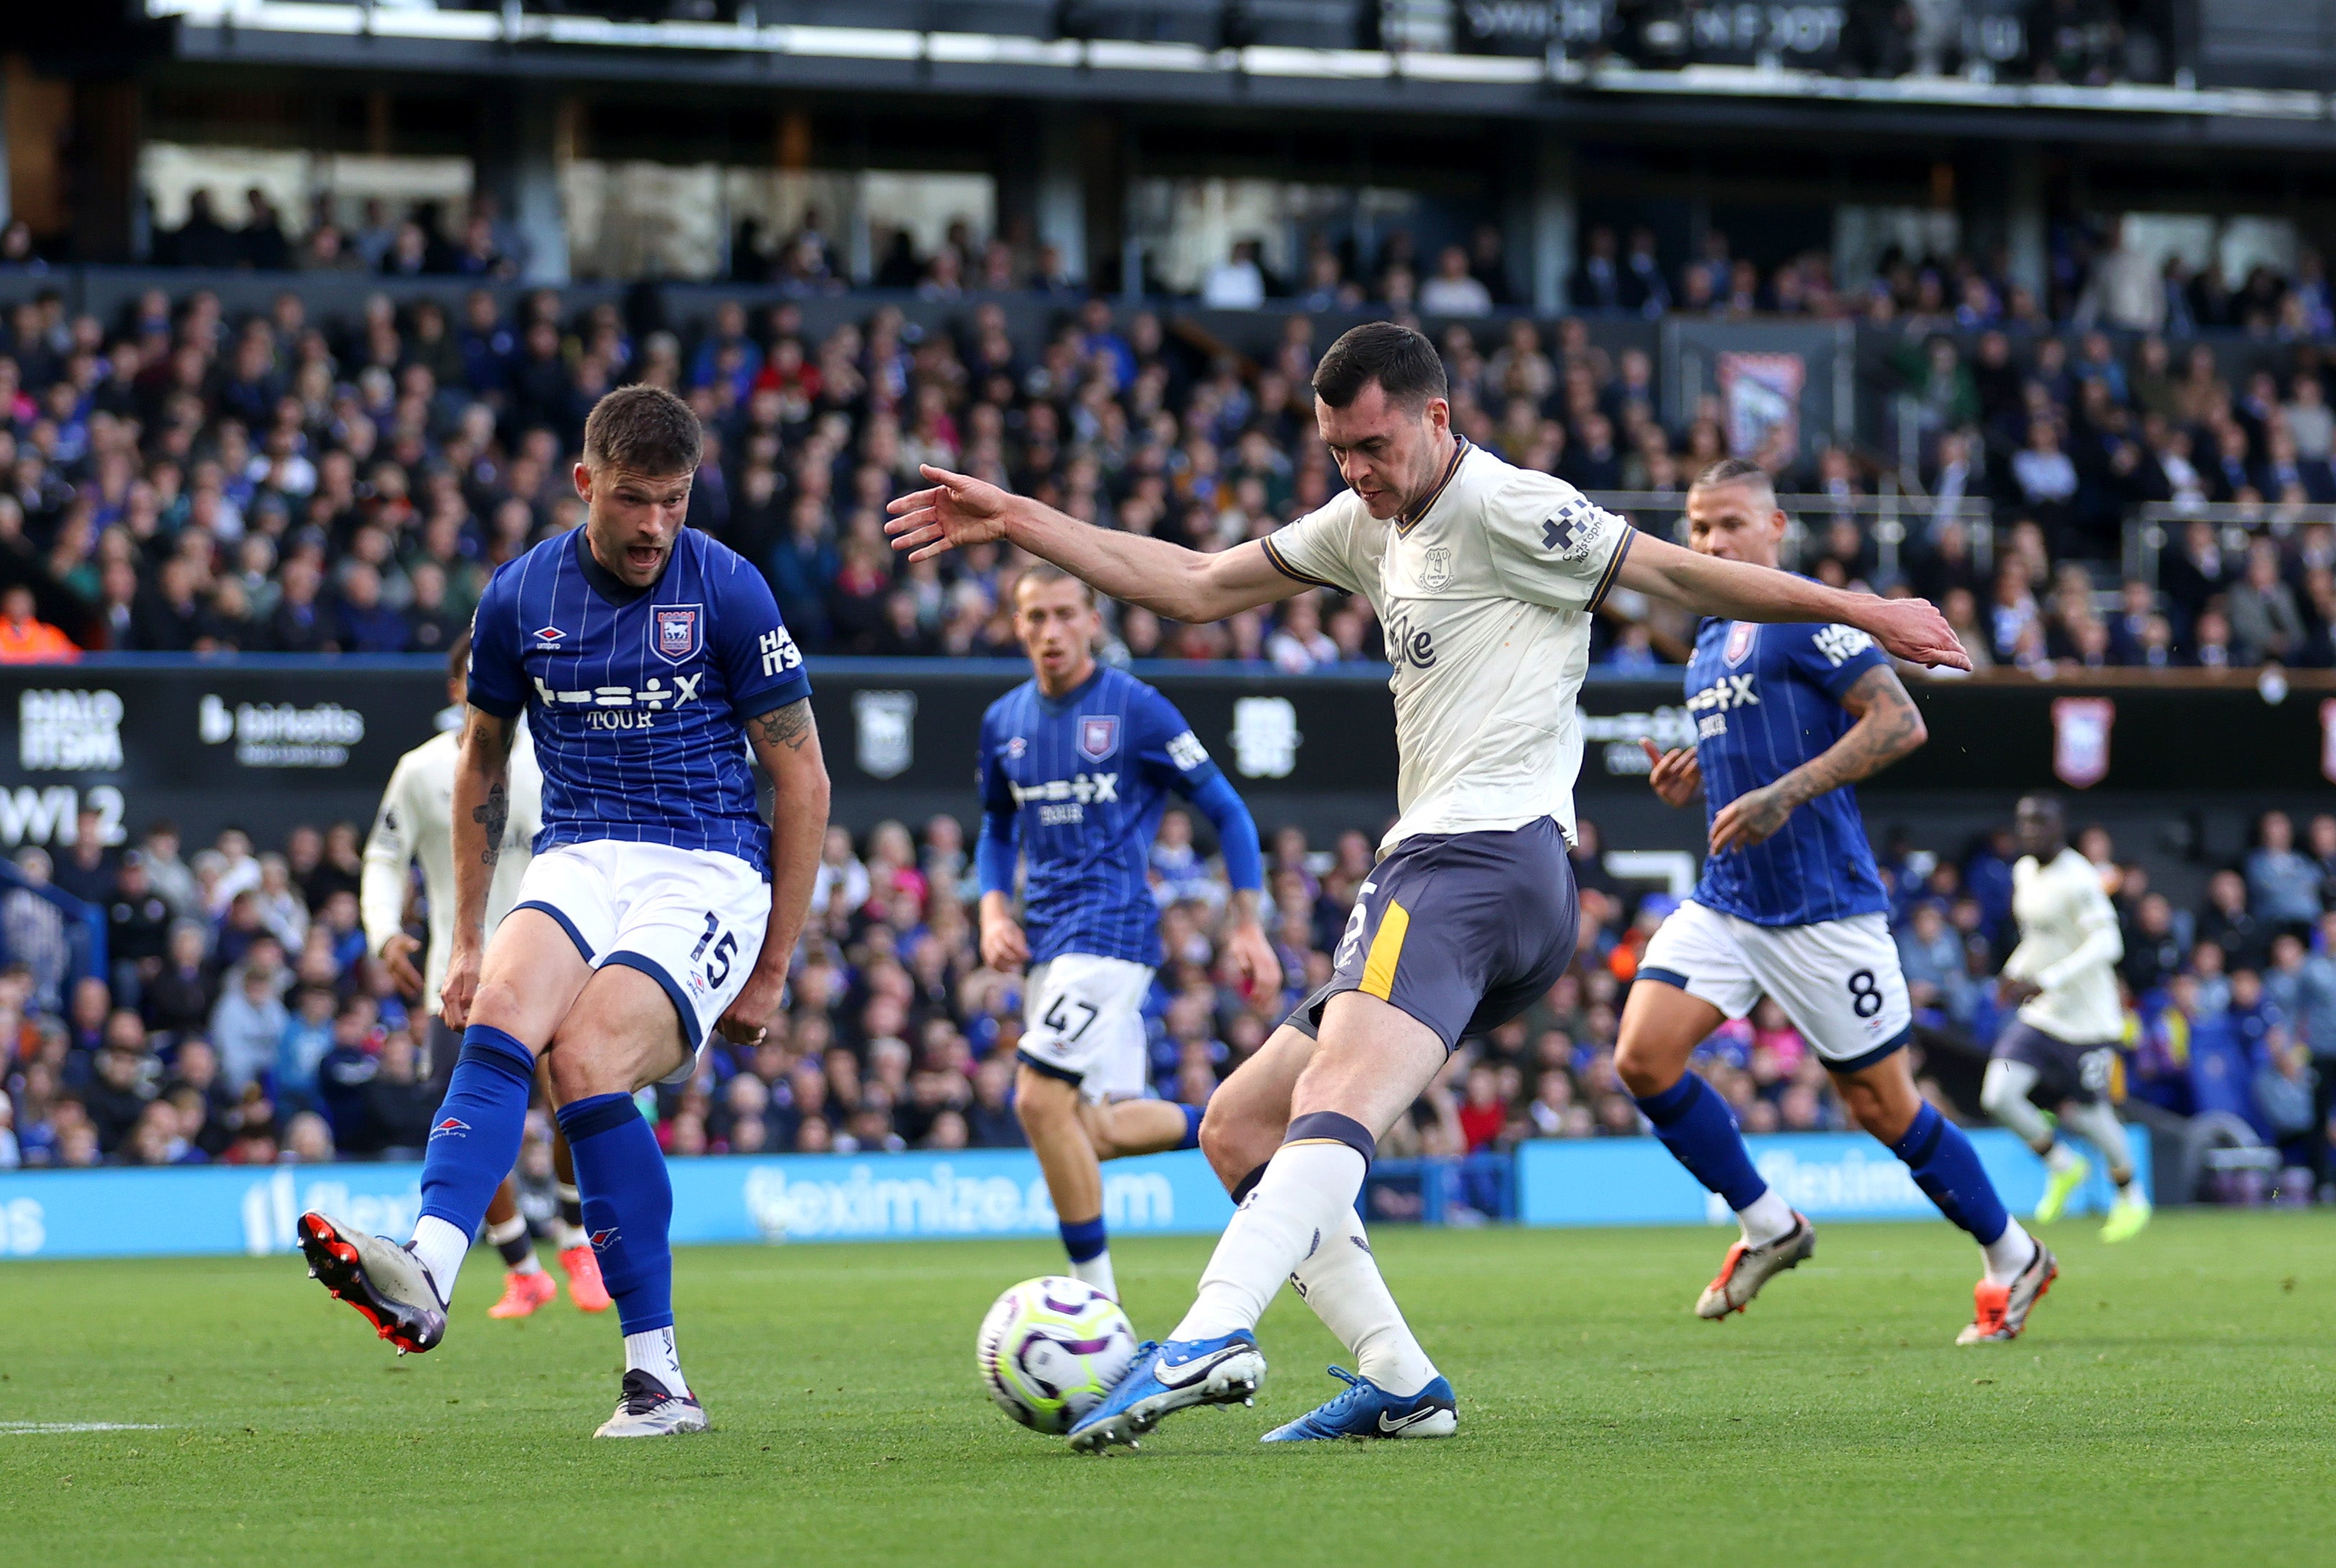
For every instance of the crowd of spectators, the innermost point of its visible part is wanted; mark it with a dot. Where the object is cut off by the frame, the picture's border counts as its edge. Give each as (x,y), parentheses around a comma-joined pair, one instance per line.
(242,1020)
(175,480)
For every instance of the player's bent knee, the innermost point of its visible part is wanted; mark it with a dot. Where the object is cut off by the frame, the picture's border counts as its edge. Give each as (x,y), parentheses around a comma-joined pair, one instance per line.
(1042,1101)
(1235,1143)
(496,1004)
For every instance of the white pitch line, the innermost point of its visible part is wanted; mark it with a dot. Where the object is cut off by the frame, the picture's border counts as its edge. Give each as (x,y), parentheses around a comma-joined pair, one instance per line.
(39,1428)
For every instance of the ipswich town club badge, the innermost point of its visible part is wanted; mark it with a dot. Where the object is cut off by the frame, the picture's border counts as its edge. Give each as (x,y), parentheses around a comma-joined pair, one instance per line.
(1740,638)
(1098,735)
(678,632)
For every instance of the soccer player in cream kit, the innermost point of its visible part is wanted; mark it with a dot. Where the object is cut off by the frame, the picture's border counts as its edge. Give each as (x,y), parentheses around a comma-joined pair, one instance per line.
(2062,1048)
(1484,577)
(1791,905)
(655,676)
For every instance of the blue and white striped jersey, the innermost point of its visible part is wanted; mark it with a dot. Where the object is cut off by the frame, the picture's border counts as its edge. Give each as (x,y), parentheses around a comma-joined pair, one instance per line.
(1085,781)
(638,698)
(1766,699)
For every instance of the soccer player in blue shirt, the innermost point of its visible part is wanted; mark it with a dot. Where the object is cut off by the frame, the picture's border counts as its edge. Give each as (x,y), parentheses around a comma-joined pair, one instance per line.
(1075,767)
(655,674)
(1787,719)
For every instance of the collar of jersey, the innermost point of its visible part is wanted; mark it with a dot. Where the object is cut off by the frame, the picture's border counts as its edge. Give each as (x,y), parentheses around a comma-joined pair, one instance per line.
(1404,521)
(1057,705)
(607,583)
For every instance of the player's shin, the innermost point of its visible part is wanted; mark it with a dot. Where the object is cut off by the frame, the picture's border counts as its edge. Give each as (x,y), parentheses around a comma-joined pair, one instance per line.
(1341,1280)
(628,1215)
(1699,1130)
(2098,1126)
(1308,1187)
(473,1144)
(1947,1168)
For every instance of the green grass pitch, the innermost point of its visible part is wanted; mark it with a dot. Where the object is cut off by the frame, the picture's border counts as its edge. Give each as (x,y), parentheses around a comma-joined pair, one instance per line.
(2169,1404)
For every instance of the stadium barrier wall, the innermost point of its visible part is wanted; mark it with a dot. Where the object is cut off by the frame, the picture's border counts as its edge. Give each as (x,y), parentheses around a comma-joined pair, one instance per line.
(1824,1175)
(224,1210)
(265,740)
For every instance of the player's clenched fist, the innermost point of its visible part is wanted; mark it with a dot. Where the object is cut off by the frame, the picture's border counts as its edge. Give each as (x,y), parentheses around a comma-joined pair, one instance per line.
(1004,947)
(957,511)
(462,985)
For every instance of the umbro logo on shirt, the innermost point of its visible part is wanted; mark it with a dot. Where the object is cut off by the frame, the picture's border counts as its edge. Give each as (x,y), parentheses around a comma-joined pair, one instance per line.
(549,637)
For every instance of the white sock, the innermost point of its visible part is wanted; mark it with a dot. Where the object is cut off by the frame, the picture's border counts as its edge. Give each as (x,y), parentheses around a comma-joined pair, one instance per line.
(566,1237)
(1341,1282)
(441,1249)
(1767,1219)
(1298,1204)
(653,1353)
(2098,1126)
(1096,1272)
(2008,1253)
(2059,1157)
(509,1230)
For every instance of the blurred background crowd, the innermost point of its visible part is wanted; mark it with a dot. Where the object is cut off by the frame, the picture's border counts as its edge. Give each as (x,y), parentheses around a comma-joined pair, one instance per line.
(182,478)
(241,1018)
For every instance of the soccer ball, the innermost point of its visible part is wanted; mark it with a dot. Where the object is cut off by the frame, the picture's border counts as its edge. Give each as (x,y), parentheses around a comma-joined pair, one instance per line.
(1051,1349)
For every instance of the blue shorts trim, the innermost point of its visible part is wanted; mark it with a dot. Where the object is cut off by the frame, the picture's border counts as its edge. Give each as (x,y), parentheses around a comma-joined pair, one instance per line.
(1662,977)
(690,1031)
(566,924)
(1880,1053)
(1048,1069)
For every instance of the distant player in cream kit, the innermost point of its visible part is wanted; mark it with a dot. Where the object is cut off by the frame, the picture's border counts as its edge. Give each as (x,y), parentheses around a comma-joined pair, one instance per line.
(415,825)
(1484,577)
(2062,1048)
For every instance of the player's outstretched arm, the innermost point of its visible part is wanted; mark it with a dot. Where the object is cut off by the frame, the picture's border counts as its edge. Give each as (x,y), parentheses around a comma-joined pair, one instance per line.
(1910,628)
(959,511)
(1889,727)
(481,814)
(787,742)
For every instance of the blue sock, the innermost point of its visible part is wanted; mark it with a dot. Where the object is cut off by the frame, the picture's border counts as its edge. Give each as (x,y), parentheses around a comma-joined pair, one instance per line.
(1193,1115)
(627,1206)
(1947,1168)
(474,1142)
(1084,1239)
(1699,1130)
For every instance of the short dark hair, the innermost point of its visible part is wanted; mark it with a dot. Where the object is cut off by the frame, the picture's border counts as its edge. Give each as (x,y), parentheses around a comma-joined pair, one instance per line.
(1734,471)
(1401,359)
(1045,573)
(645,429)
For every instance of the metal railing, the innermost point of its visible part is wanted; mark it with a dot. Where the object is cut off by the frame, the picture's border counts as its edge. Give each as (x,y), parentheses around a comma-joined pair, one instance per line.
(2147,535)
(1891,521)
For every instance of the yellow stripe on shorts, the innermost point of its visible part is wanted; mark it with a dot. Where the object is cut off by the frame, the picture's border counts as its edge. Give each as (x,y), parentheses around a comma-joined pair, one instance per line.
(1387,946)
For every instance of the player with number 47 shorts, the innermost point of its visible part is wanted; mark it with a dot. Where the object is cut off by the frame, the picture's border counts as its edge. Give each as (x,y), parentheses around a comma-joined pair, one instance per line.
(1791,906)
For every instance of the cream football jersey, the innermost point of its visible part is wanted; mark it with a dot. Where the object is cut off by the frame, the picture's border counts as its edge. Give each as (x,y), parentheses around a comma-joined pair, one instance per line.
(2070,946)
(1484,593)
(416,823)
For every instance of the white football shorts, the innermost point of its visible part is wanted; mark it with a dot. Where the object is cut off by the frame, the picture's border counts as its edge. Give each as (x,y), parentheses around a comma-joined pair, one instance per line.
(690,919)
(1083,1022)
(1837,980)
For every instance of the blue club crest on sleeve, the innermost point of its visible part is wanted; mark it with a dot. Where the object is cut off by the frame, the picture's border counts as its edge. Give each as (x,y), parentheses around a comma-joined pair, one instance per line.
(1098,735)
(678,632)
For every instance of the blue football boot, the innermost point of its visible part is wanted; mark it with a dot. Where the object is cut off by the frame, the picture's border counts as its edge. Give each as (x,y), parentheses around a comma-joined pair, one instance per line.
(1364,1409)
(1225,1371)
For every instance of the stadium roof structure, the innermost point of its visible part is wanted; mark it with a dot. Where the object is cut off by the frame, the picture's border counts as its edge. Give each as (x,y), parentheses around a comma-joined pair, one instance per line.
(519,44)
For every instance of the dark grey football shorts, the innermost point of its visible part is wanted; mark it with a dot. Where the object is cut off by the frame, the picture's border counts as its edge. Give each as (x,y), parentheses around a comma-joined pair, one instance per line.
(2064,1073)
(1461,930)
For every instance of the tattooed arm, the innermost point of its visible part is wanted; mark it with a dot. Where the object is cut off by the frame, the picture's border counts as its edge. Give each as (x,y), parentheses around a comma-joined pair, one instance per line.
(1889,727)
(787,742)
(481,815)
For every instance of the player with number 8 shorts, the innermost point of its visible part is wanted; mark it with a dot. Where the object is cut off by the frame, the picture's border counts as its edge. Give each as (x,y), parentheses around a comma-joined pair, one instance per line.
(1790,904)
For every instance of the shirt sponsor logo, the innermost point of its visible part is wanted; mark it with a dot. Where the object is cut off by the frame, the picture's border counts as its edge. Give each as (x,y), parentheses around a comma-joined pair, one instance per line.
(1187,752)
(1572,532)
(1098,735)
(884,729)
(780,654)
(1406,644)
(621,706)
(1840,644)
(1086,789)
(1729,691)
(679,631)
